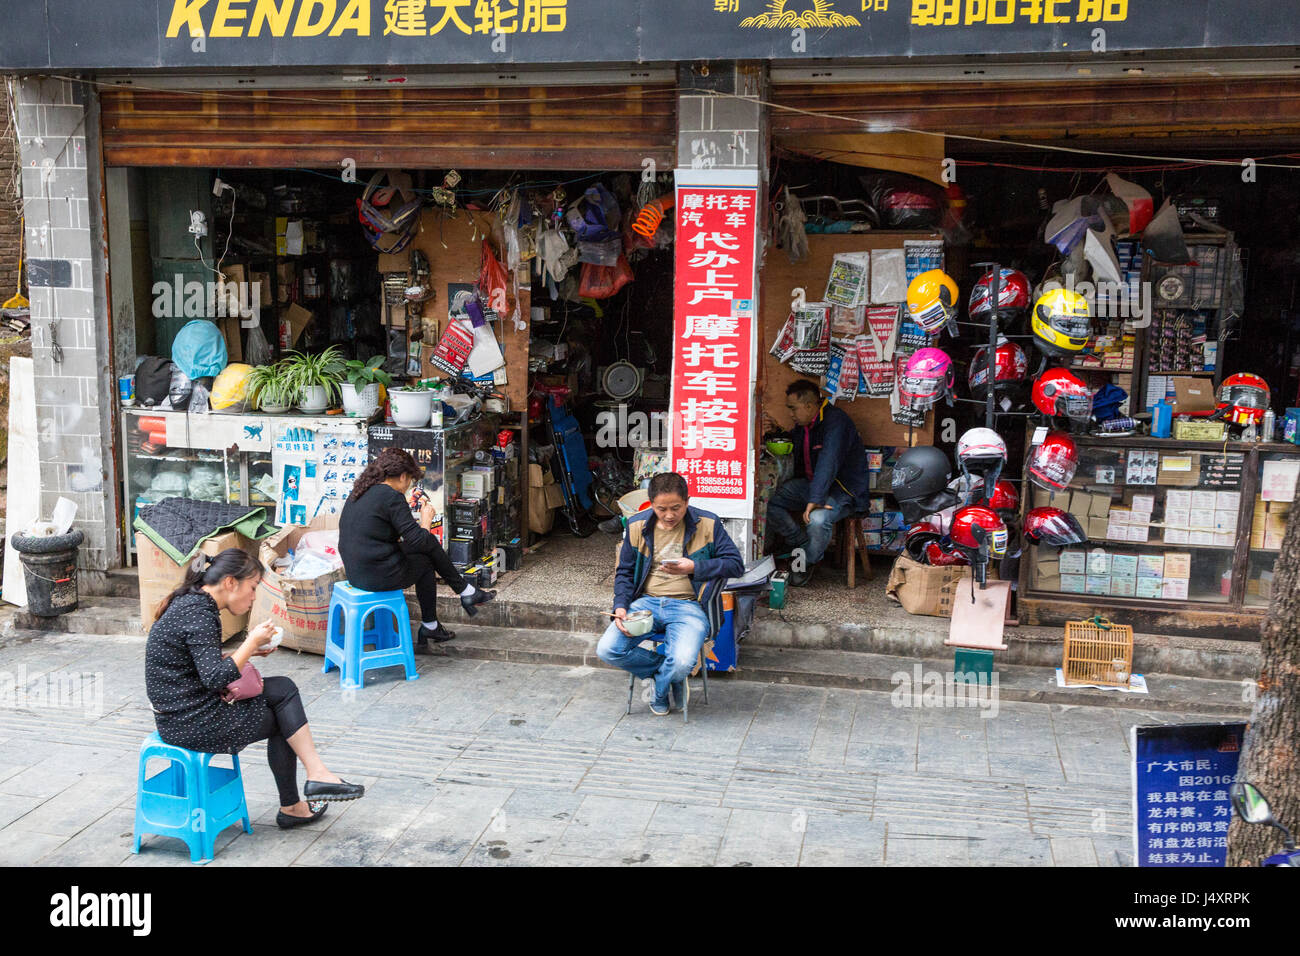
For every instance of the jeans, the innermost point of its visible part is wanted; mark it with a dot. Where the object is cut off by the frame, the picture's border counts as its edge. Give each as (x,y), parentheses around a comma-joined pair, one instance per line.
(680,623)
(785,517)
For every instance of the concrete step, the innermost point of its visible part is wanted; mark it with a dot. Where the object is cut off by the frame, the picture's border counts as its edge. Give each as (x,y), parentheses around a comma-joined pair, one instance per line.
(861,671)
(94,615)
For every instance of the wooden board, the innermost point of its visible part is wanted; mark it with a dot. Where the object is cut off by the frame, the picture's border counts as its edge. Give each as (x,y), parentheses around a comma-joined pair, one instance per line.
(779,277)
(459,263)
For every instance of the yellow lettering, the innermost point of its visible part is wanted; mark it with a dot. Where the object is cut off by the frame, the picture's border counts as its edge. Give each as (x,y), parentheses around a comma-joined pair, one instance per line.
(1008,14)
(186,11)
(1116,10)
(227,22)
(976,11)
(304,27)
(272,13)
(355,17)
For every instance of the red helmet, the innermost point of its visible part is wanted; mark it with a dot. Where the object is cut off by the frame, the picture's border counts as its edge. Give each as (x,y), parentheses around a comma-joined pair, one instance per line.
(1011,367)
(975,525)
(1004,497)
(939,558)
(919,537)
(1060,392)
(1053,463)
(1013,295)
(1053,526)
(1245,396)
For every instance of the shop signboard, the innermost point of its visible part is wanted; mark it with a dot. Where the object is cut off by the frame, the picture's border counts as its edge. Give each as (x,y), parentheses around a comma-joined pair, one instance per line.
(1181,775)
(207,34)
(714,364)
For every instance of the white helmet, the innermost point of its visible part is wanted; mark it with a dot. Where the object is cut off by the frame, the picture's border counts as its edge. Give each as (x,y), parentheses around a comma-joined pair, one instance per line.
(982,452)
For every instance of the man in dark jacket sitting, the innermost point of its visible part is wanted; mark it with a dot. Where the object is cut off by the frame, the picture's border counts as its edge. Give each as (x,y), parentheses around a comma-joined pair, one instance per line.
(673,562)
(831,478)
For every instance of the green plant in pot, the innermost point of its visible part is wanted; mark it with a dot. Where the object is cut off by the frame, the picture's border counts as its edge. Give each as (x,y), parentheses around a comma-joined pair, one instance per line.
(361,391)
(269,388)
(315,378)
(413,405)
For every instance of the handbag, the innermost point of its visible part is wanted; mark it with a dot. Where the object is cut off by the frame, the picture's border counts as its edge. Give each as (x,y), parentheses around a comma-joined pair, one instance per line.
(248,685)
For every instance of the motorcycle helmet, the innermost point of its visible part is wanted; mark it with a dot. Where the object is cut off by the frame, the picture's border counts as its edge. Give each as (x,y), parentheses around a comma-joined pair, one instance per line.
(920,482)
(1053,463)
(1010,368)
(1013,296)
(936,556)
(920,536)
(230,388)
(1004,497)
(981,451)
(1061,323)
(927,378)
(932,300)
(1053,526)
(1243,398)
(1060,392)
(976,525)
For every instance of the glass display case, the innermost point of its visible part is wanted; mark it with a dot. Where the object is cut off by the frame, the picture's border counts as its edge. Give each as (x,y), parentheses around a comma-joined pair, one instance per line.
(1172,526)
(213,457)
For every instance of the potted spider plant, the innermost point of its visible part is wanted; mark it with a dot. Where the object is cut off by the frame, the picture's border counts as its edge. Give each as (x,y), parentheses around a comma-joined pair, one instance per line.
(361,391)
(315,378)
(269,389)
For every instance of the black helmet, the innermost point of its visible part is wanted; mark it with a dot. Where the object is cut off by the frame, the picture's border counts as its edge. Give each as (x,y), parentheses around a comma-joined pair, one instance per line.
(920,482)
(153,380)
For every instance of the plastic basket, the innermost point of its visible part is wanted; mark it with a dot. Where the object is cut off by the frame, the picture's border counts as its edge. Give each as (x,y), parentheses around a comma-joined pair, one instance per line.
(1098,652)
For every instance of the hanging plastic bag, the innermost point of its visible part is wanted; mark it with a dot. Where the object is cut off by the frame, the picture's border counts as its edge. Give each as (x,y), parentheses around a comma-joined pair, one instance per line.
(258,349)
(492,280)
(601,282)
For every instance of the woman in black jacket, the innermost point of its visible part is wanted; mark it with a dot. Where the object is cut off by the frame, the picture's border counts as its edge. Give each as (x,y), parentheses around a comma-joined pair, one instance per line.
(385,549)
(185,675)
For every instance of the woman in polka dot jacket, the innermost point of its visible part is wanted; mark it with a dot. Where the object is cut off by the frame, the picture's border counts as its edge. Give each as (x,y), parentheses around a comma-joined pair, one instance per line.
(185,675)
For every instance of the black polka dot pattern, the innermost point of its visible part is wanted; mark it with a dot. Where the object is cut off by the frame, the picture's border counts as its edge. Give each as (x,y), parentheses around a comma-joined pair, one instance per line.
(185,675)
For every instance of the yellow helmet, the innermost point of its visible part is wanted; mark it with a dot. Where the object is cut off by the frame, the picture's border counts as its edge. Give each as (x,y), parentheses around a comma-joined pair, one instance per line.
(231,386)
(932,300)
(1061,323)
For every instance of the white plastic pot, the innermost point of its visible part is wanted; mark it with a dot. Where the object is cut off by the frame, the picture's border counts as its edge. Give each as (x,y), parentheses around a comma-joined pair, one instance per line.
(273,409)
(360,404)
(412,408)
(313,398)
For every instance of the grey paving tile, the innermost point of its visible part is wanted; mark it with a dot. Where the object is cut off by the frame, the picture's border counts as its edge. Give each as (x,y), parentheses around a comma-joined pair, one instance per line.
(761,838)
(1073,851)
(834,725)
(104,842)
(516,841)
(843,839)
(345,848)
(449,852)
(20,848)
(685,818)
(13,807)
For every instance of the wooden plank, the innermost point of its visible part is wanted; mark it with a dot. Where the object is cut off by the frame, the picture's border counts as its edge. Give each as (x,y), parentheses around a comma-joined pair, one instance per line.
(871,415)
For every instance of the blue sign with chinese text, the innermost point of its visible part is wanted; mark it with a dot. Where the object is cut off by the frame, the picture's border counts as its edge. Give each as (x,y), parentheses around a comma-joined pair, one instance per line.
(1181,776)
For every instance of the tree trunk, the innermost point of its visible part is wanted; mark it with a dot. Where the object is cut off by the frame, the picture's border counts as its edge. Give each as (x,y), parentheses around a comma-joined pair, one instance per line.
(1270,757)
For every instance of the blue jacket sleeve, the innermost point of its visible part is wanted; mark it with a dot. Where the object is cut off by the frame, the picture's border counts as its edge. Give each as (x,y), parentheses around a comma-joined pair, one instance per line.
(726,561)
(625,576)
(829,461)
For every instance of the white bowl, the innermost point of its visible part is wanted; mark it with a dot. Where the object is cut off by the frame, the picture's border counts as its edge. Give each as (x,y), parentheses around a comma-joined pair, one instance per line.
(639,623)
(275,640)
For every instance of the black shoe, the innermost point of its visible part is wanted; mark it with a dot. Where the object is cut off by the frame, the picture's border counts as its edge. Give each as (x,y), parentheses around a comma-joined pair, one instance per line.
(798,579)
(611,526)
(478,597)
(287,821)
(439,635)
(333,792)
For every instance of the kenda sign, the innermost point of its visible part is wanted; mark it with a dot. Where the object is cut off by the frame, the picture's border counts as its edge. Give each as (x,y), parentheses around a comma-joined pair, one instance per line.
(145,34)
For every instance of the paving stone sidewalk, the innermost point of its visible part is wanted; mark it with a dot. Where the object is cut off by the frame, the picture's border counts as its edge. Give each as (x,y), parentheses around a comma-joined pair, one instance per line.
(488,763)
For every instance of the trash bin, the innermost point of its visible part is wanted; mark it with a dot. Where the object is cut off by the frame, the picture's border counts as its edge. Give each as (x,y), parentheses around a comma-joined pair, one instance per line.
(50,570)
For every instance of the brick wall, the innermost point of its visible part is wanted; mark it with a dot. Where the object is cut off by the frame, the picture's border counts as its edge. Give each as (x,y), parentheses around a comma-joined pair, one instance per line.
(9,208)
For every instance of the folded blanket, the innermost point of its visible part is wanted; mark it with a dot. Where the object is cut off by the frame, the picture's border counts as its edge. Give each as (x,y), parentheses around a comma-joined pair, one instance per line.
(180,525)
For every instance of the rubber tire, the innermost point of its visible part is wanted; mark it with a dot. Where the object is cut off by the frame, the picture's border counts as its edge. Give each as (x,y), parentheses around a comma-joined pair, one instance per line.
(52,544)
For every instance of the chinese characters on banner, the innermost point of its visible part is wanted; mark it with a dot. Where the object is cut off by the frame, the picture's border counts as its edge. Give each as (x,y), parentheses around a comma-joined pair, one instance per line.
(1181,778)
(713,319)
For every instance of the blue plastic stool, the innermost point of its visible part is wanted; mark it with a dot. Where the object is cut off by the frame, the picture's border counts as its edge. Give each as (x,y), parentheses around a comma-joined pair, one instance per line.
(190,800)
(346,637)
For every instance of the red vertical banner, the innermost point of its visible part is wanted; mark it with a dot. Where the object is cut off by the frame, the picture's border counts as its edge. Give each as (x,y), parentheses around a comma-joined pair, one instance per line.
(713,343)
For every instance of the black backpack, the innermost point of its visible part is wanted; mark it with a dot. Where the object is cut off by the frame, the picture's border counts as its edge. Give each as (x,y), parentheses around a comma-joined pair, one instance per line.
(153,381)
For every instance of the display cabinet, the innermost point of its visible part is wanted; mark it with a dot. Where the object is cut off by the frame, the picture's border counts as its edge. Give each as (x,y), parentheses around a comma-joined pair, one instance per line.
(1182,536)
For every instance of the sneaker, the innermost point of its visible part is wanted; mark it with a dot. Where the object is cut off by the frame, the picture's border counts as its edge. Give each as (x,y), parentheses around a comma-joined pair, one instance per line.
(659,707)
(681,692)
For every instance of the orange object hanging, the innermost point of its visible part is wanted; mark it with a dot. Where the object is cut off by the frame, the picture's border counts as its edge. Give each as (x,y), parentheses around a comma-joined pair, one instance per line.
(651,215)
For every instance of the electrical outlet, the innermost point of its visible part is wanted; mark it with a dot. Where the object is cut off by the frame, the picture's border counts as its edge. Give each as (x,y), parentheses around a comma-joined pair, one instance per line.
(198,223)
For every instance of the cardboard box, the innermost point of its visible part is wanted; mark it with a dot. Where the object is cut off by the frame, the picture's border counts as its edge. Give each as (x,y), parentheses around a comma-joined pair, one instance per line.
(300,606)
(922,589)
(1097,528)
(1272,541)
(1150,587)
(1178,565)
(1073,583)
(1193,394)
(160,575)
(554,494)
(1199,430)
(1073,562)
(296,319)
